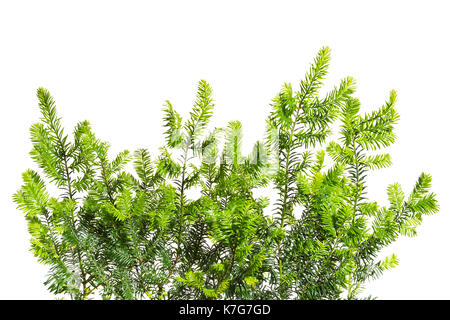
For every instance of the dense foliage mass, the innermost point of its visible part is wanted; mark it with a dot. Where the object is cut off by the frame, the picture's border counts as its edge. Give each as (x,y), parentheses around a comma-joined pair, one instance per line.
(186,224)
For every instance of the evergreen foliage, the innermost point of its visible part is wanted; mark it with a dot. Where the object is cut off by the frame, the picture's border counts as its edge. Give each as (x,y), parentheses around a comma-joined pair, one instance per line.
(146,233)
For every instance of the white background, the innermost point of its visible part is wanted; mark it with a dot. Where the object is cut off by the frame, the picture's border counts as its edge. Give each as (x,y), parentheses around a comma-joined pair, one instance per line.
(115,62)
